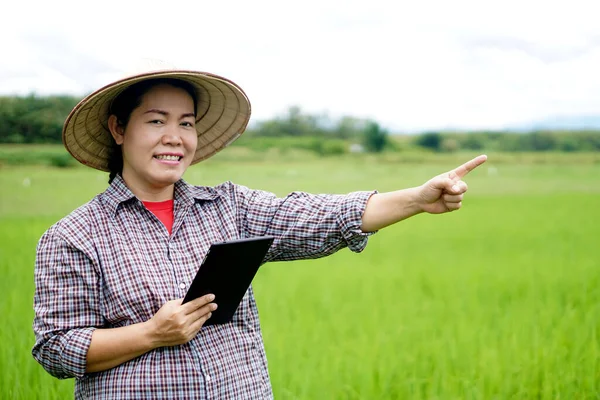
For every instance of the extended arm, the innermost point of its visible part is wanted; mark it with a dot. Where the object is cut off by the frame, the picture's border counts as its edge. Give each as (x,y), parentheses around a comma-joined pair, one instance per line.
(384,209)
(305,225)
(440,194)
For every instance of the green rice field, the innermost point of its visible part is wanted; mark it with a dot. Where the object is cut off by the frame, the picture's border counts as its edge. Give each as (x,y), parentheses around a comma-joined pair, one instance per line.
(500,300)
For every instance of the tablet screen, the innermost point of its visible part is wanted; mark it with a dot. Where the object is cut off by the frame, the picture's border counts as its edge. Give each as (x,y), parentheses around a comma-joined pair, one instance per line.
(227,272)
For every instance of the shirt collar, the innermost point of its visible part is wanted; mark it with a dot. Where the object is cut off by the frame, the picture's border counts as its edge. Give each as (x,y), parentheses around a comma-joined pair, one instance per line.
(185,194)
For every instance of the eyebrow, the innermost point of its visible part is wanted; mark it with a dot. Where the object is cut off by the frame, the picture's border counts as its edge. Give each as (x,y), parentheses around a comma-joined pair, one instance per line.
(165,113)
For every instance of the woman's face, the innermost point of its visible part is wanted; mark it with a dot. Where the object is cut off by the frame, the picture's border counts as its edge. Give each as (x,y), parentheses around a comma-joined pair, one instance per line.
(160,139)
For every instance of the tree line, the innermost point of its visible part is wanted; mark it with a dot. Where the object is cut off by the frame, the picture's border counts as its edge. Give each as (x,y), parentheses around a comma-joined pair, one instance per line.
(34,119)
(39,119)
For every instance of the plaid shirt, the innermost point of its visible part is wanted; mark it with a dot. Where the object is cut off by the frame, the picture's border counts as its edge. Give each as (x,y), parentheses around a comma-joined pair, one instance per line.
(112,263)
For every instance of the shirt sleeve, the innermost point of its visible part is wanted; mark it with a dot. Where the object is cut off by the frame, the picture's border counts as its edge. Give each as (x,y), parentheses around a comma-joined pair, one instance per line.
(66,305)
(304,225)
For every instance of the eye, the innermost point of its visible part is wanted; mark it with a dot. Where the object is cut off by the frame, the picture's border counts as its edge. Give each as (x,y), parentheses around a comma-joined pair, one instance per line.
(156,121)
(187,124)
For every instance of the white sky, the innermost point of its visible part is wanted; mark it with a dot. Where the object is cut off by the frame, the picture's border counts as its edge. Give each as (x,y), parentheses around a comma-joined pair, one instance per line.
(410,65)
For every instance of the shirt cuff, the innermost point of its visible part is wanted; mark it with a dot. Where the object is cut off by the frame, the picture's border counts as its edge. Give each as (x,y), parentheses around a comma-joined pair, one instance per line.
(73,357)
(350,220)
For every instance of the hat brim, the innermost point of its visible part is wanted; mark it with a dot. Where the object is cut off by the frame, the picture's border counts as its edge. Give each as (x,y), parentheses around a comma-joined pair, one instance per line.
(222,116)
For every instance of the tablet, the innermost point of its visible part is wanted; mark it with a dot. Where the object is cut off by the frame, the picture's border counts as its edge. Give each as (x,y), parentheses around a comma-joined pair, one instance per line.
(227,271)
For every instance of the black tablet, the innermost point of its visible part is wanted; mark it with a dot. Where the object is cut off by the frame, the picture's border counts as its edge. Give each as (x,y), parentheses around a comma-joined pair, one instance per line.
(227,271)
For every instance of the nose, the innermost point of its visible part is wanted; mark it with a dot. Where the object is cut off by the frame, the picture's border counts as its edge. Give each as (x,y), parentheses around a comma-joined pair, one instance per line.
(171,138)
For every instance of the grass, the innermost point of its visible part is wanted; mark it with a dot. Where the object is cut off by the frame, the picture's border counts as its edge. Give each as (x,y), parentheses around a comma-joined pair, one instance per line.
(498,301)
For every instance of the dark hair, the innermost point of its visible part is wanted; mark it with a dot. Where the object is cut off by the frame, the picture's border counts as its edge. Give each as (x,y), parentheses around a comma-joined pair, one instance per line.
(130,99)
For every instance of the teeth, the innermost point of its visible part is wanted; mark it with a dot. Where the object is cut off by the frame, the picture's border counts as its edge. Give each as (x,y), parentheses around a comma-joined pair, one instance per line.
(168,158)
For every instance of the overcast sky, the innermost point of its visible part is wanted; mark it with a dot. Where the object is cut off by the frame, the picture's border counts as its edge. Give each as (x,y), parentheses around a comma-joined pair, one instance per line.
(410,65)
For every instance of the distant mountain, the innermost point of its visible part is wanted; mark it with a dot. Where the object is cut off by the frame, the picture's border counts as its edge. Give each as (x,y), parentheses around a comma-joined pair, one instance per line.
(579,122)
(567,123)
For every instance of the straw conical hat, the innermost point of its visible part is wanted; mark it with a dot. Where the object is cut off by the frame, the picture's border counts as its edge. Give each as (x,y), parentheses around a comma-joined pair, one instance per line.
(222,115)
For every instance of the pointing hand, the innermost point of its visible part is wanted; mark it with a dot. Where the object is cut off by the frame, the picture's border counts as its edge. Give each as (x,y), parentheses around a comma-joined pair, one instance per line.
(445,192)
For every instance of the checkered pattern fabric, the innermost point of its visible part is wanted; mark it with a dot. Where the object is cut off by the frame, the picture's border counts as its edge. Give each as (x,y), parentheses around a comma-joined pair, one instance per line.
(112,263)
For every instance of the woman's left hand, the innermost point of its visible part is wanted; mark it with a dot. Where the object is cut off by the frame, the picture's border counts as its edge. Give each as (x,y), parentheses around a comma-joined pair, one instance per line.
(438,195)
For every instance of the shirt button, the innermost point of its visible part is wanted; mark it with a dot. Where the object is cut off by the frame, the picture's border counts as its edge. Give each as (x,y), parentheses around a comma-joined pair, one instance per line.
(182,285)
(207,377)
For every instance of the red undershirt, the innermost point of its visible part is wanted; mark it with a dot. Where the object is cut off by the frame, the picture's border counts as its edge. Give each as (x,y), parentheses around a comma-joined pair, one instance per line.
(163,211)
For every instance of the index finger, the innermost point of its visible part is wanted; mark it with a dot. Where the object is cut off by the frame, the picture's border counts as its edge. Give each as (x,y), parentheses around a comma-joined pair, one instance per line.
(198,302)
(467,167)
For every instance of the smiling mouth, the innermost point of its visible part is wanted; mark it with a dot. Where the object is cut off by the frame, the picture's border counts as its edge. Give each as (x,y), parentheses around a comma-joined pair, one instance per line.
(168,157)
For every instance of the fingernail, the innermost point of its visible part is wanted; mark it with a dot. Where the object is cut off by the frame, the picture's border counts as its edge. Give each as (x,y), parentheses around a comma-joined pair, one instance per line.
(455,188)
(214,306)
(209,315)
(211,297)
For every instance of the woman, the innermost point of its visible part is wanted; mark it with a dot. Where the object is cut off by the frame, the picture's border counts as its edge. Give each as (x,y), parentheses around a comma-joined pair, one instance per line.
(110,277)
